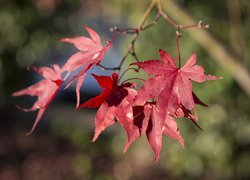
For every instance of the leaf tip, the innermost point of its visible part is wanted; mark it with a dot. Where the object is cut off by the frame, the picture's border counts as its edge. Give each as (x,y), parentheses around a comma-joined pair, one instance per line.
(64,40)
(86,27)
(14,94)
(93,139)
(156,159)
(28,134)
(96,135)
(182,144)
(126,148)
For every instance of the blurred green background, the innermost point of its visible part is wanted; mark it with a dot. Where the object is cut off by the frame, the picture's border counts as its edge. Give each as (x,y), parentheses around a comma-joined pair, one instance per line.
(60,148)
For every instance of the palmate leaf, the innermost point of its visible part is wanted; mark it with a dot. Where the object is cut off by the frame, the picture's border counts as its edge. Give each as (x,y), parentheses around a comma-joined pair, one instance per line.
(45,90)
(148,120)
(91,52)
(167,93)
(170,85)
(115,101)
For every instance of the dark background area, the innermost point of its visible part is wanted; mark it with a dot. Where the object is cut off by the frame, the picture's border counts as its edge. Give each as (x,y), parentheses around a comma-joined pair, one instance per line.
(61,146)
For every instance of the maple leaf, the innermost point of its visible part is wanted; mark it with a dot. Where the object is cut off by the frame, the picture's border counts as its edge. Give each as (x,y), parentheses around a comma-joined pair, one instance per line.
(115,101)
(45,90)
(91,52)
(148,120)
(171,86)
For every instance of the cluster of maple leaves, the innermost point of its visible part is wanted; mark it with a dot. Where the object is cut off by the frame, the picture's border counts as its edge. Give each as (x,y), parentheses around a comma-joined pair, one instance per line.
(166,94)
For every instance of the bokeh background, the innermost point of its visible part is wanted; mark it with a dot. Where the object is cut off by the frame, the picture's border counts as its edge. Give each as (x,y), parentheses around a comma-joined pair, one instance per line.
(61,146)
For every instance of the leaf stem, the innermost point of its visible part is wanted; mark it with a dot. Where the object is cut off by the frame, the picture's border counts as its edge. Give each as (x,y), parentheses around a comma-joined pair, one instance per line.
(178,36)
(136,70)
(132,79)
(131,47)
(136,31)
(109,68)
(178,28)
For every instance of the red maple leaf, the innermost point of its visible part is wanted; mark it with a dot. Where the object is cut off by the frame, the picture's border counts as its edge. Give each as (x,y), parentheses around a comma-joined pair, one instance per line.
(114,101)
(148,120)
(170,85)
(45,90)
(91,52)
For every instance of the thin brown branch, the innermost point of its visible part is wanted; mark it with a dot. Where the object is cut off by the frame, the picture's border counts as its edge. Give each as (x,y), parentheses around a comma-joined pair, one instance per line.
(109,68)
(136,31)
(132,79)
(196,25)
(217,50)
(154,22)
(135,36)
(165,16)
(124,31)
(132,51)
(135,69)
(177,26)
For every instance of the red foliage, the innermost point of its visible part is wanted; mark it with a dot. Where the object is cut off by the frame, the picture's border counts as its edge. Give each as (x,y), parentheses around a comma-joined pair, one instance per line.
(148,119)
(170,85)
(45,90)
(91,52)
(115,101)
(165,95)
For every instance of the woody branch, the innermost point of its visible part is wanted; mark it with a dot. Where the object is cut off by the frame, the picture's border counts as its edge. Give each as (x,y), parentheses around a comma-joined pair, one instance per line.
(136,32)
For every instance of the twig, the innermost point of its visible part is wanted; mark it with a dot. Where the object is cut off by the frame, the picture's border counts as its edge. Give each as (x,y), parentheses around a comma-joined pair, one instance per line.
(165,16)
(136,31)
(124,31)
(157,17)
(135,36)
(109,68)
(136,70)
(178,28)
(214,48)
(132,79)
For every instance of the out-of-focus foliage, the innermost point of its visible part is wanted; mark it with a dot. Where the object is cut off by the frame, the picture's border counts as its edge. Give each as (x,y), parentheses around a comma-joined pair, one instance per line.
(61,148)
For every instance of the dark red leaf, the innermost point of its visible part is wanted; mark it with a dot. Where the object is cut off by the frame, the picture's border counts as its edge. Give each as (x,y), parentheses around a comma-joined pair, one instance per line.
(116,101)
(148,119)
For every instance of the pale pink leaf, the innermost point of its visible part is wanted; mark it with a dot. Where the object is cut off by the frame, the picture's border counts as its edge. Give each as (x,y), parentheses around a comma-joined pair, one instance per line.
(94,36)
(39,116)
(45,90)
(78,86)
